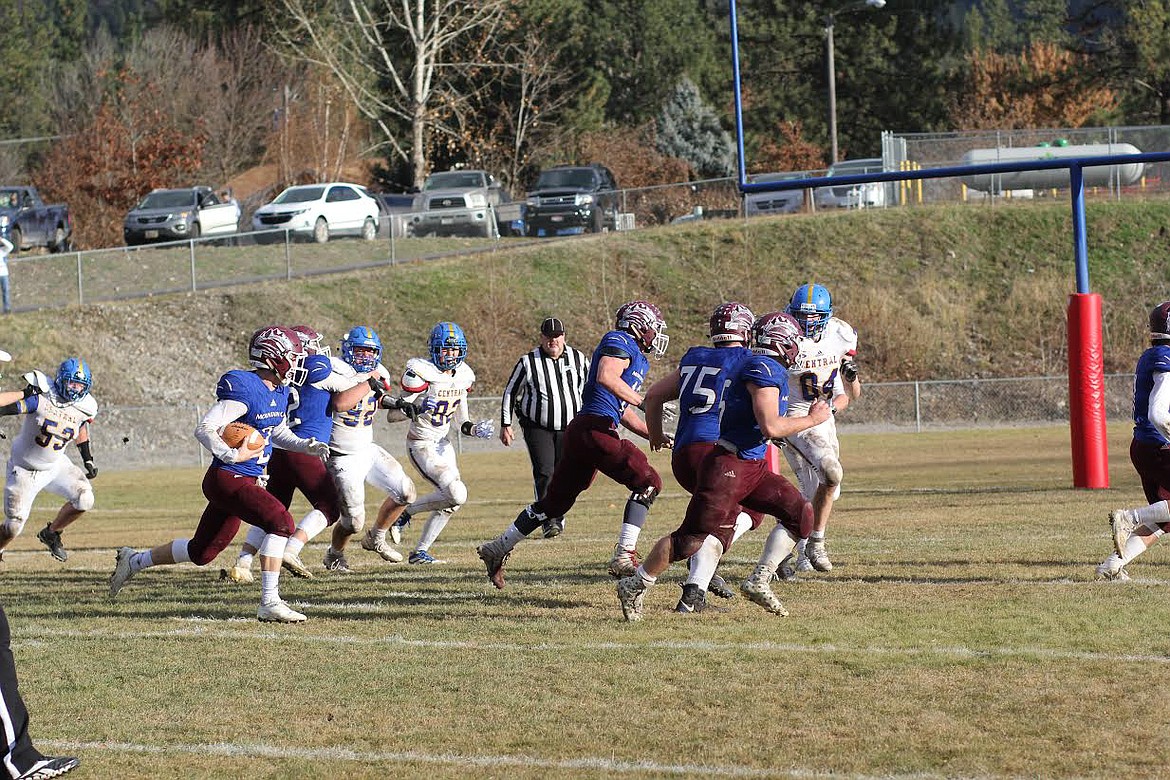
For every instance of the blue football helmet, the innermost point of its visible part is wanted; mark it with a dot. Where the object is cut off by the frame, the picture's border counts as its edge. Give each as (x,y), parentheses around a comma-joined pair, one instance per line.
(447,335)
(812,307)
(362,336)
(73,379)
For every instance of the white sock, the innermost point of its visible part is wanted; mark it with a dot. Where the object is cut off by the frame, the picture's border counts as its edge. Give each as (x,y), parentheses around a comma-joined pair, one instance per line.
(378,534)
(179,551)
(244,560)
(800,548)
(1136,545)
(743,524)
(313,523)
(432,528)
(269,587)
(776,547)
(253,538)
(512,537)
(293,546)
(1154,514)
(628,537)
(817,536)
(704,562)
(141,560)
(647,580)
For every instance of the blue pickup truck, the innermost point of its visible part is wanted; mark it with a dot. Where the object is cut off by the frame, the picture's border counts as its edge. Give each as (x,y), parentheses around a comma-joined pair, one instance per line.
(28,222)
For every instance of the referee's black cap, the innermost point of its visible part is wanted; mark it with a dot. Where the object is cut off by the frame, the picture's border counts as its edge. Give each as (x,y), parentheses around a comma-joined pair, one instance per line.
(552,327)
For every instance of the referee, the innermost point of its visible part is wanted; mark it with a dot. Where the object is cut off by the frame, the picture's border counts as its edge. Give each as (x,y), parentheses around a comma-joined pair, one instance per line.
(545,392)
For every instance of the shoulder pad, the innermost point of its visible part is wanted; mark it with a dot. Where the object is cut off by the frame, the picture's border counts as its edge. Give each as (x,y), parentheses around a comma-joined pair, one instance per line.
(319,368)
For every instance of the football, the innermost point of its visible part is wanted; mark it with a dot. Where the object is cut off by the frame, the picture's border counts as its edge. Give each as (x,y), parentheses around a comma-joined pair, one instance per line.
(240,435)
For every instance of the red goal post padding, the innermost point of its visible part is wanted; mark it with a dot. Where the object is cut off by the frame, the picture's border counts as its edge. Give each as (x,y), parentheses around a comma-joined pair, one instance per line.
(1086,392)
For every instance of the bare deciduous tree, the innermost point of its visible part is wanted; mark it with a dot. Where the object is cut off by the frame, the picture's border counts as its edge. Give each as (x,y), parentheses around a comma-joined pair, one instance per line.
(398,60)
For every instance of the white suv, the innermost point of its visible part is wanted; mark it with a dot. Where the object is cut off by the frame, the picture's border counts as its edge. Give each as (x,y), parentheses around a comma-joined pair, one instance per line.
(853,196)
(320,211)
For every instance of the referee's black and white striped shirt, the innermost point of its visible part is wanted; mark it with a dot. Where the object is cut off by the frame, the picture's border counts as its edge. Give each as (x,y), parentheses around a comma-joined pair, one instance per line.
(544,392)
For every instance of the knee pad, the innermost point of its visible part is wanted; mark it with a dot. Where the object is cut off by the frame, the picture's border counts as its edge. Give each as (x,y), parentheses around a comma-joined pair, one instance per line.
(13,526)
(353,523)
(457,492)
(832,472)
(409,492)
(84,500)
(646,496)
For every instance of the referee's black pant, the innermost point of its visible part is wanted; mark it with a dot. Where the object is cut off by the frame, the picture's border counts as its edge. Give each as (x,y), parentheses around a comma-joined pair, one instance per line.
(19,755)
(545,448)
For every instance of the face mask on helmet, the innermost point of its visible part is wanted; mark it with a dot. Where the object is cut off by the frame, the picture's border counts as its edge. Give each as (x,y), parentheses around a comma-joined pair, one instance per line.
(362,349)
(448,345)
(811,307)
(777,334)
(73,379)
(1160,322)
(643,321)
(311,340)
(731,322)
(278,349)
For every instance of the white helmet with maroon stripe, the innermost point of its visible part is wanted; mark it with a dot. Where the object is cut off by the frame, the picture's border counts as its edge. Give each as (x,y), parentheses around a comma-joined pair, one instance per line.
(777,334)
(731,321)
(643,321)
(278,349)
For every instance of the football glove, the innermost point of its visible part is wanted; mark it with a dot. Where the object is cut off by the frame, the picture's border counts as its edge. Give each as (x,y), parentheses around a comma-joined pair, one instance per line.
(669,411)
(427,406)
(378,386)
(37,383)
(484,429)
(317,449)
(406,407)
(90,469)
(849,370)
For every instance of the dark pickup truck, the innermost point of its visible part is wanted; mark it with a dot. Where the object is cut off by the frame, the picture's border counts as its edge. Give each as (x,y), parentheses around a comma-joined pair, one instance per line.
(28,222)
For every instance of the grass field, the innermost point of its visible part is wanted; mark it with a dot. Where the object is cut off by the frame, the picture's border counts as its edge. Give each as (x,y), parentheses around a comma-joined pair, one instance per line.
(961,634)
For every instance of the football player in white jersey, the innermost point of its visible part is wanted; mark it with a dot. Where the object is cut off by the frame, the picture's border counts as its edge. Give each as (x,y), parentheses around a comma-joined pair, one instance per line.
(439,388)
(826,369)
(57,413)
(356,459)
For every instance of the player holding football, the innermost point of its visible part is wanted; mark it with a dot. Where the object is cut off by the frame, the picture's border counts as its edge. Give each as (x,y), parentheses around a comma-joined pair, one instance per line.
(57,413)
(734,473)
(698,383)
(616,373)
(439,388)
(357,459)
(1135,530)
(234,483)
(825,369)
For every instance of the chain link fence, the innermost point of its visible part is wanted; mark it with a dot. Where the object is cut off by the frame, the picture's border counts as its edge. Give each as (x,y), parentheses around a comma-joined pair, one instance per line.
(139,437)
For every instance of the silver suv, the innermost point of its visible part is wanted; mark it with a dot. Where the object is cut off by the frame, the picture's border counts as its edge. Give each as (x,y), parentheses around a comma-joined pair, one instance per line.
(172,215)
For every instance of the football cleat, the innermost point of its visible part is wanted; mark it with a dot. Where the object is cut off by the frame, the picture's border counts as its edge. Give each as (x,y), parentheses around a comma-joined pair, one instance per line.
(693,599)
(293,564)
(52,540)
(818,557)
(278,612)
(630,592)
(380,546)
(494,556)
(786,571)
(1111,569)
(241,575)
(122,572)
(719,587)
(50,767)
(422,557)
(758,591)
(335,561)
(399,524)
(1123,522)
(553,527)
(624,562)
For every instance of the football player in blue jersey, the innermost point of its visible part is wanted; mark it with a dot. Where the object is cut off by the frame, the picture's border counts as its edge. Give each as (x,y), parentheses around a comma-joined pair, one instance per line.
(698,384)
(233,483)
(616,373)
(735,472)
(1135,530)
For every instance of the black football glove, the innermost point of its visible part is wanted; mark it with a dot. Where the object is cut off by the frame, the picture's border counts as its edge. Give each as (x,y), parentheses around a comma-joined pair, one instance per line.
(849,370)
(378,386)
(406,407)
(91,470)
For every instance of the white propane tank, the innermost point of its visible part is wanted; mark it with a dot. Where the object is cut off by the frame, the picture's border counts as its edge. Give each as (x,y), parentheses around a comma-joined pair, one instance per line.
(1055,178)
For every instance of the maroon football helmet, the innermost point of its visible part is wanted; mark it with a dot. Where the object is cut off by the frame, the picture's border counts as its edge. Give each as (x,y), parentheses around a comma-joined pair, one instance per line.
(644,322)
(278,349)
(1160,322)
(777,334)
(311,340)
(731,321)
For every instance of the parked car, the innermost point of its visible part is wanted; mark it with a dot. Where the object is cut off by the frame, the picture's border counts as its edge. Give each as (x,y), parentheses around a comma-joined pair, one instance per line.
(854,196)
(465,203)
(572,198)
(171,215)
(320,211)
(27,221)
(757,204)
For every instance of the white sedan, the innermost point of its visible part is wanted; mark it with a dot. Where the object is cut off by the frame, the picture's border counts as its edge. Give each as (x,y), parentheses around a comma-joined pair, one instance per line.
(321,211)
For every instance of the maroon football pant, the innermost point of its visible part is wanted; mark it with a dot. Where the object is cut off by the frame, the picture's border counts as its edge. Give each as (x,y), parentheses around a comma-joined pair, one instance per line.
(591,445)
(232,499)
(725,482)
(1153,466)
(290,471)
(685,463)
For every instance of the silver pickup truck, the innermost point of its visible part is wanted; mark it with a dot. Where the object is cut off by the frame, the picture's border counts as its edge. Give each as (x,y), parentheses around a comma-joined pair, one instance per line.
(466,203)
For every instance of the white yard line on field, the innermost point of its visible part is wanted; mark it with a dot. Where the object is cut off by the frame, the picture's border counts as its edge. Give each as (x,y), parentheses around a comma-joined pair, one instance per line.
(343,754)
(30,634)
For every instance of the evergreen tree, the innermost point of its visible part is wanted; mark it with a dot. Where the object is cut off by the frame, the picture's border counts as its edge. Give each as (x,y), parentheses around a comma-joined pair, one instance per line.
(689,129)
